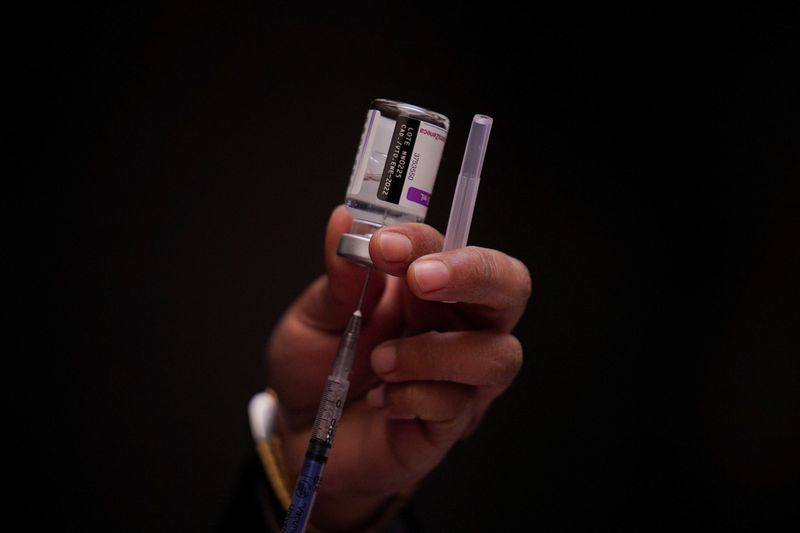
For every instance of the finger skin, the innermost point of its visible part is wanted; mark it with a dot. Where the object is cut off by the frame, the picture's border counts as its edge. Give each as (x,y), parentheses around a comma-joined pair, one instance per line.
(385,252)
(446,380)
(472,275)
(328,304)
(401,419)
(485,359)
(475,275)
(427,417)
(423,400)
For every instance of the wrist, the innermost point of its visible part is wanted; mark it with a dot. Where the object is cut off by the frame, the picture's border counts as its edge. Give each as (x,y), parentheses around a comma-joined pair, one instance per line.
(334,509)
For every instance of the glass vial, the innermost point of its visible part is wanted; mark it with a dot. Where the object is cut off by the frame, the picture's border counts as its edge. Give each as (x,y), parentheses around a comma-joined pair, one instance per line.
(394,172)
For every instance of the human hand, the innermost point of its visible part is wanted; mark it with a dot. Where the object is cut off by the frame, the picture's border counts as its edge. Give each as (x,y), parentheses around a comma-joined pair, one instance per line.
(425,372)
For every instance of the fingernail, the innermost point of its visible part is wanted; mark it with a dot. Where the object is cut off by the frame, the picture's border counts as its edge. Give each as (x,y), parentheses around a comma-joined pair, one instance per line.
(431,274)
(384,359)
(377,396)
(395,247)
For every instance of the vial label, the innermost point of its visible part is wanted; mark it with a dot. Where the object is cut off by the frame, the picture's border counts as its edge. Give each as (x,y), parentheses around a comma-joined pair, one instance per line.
(396,163)
(398,160)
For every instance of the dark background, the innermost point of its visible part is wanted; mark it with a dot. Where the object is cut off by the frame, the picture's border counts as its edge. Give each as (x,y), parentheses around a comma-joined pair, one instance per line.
(179,166)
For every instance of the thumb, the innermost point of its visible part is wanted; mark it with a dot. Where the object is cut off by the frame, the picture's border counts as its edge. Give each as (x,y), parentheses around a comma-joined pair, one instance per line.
(330,301)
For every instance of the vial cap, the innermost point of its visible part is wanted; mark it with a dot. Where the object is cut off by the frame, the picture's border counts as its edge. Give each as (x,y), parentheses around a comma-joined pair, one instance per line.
(355,248)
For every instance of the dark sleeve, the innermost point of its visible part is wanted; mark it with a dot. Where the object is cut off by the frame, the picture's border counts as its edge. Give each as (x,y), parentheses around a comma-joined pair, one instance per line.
(255,509)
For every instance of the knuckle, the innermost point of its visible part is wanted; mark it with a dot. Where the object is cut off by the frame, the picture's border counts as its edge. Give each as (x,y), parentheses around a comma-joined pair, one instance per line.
(425,239)
(482,272)
(488,268)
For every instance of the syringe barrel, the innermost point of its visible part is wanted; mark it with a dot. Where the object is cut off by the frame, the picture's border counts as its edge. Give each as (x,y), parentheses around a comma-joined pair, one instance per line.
(305,492)
(330,409)
(322,434)
(347,347)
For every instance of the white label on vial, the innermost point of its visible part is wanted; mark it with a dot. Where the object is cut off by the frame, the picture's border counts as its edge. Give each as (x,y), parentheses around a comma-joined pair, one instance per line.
(397,163)
(412,160)
(422,167)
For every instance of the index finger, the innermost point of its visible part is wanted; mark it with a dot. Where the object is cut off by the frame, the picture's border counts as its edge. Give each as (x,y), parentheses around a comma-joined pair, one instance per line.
(474,275)
(498,284)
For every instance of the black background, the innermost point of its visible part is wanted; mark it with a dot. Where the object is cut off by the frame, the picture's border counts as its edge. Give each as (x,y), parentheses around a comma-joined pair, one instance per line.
(179,163)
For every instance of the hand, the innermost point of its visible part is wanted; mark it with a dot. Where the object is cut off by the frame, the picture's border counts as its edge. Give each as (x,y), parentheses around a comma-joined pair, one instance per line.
(425,371)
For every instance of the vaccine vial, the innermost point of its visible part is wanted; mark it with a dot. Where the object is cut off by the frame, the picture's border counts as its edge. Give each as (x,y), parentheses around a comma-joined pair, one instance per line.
(394,172)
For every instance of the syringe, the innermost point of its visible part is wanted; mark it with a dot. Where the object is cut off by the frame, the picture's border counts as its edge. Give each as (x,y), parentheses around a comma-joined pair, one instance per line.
(325,424)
